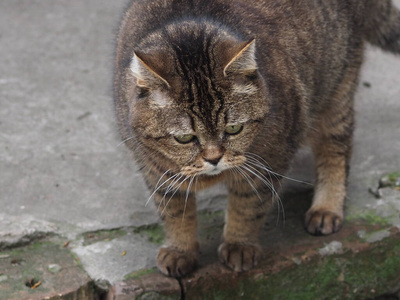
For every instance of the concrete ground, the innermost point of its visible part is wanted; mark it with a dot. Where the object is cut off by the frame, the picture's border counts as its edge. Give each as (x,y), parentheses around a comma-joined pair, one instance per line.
(73,218)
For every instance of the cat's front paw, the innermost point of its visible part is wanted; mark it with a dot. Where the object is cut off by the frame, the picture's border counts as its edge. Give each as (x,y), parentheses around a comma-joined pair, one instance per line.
(175,263)
(320,222)
(239,257)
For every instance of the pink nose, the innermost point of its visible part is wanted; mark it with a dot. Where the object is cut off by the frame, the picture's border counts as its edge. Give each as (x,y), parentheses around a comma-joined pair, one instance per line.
(212,154)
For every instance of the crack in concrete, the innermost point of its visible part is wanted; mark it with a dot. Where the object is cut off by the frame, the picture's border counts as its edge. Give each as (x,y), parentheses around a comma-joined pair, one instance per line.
(182,288)
(24,240)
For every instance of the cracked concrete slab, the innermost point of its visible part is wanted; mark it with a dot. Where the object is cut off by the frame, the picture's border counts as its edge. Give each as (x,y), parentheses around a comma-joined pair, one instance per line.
(21,230)
(43,270)
(59,156)
(114,259)
(62,171)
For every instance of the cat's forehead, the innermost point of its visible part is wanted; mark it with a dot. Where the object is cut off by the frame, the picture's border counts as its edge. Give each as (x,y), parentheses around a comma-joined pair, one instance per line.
(190,120)
(196,108)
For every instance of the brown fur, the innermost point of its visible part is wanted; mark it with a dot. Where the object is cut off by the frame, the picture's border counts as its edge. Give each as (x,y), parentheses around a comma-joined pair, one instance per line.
(218,90)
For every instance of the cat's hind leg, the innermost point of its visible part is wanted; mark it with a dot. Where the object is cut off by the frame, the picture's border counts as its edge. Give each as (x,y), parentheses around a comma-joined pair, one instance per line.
(326,213)
(331,141)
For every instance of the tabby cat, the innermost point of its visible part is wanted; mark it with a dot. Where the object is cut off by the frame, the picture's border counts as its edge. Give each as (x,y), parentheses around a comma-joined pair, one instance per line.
(210,91)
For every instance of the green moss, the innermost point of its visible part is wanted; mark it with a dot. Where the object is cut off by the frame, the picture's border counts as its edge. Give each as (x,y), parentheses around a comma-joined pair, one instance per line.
(346,276)
(140,273)
(370,217)
(27,265)
(210,224)
(353,237)
(208,215)
(77,260)
(154,232)
(390,180)
(102,235)
(156,296)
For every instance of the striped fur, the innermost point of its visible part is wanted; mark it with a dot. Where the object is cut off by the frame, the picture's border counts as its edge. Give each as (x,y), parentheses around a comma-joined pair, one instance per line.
(210,91)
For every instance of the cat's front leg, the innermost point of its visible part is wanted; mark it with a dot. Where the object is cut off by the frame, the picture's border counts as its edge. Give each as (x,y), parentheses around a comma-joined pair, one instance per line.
(180,253)
(248,205)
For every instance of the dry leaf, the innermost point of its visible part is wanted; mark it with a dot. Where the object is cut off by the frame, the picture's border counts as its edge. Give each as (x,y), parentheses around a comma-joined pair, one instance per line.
(37,284)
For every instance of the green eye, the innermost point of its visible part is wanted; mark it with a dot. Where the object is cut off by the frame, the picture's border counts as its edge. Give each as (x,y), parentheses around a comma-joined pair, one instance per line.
(234,129)
(184,138)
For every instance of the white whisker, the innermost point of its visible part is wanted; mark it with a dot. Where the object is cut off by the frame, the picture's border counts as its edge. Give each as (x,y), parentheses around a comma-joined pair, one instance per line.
(264,163)
(270,186)
(124,141)
(247,178)
(253,161)
(157,187)
(256,162)
(187,196)
(174,192)
(168,189)
(235,174)
(260,176)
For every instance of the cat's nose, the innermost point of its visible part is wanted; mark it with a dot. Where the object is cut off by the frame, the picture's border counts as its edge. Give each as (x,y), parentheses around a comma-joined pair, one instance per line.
(214,161)
(212,154)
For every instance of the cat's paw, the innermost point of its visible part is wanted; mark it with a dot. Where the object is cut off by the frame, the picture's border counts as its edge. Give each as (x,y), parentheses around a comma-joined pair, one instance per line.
(175,263)
(319,222)
(239,257)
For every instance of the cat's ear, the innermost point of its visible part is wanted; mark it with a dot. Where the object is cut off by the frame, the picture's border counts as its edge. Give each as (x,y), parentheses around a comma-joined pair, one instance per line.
(243,59)
(146,75)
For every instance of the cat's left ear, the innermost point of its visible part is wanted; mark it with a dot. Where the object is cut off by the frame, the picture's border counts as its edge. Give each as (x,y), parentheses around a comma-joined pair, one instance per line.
(244,59)
(144,69)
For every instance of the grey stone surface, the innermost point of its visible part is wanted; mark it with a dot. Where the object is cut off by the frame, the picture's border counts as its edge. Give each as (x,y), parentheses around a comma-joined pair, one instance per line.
(378,236)
(22,229)
(59,156)
(61,169)
(377,135)
(112,260)
(333,247)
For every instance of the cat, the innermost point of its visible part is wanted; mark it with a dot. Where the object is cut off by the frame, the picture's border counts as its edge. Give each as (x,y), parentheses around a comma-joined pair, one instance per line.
(210,91)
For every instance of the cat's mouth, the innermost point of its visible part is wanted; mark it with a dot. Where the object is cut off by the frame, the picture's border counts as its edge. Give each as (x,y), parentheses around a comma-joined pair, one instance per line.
(208,170)
(214,171)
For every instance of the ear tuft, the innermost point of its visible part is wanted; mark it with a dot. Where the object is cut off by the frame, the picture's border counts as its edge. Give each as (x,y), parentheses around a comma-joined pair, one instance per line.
(144,74)
(244,60)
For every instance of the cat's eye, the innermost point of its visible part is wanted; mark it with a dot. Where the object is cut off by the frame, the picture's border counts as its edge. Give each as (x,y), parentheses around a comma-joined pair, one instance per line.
(234,129)
(184,138)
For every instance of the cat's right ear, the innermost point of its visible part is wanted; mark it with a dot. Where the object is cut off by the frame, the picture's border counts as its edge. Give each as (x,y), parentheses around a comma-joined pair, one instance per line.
(145,75)
(243,59)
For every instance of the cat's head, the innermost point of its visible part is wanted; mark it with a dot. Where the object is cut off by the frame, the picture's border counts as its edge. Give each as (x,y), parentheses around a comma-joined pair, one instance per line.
(197,101)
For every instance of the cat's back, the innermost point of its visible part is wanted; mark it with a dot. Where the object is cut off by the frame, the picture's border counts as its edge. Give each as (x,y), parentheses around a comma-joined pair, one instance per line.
(299,32)
(143,16)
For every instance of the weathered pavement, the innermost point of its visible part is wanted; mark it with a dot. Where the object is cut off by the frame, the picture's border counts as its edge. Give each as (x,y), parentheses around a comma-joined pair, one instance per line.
(73,220)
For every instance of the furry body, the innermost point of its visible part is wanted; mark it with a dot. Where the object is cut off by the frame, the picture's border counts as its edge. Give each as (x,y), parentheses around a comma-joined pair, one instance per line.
(218,90)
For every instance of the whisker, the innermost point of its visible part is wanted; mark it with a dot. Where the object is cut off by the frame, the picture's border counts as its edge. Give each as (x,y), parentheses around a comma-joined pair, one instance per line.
(235,174)
(261,176)
(247,178)
(168,189)
(124,141)
(160,186)
(186,198)
(269,184)
(256,162)
(288,178)
(264,163)
(175,191)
